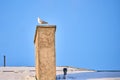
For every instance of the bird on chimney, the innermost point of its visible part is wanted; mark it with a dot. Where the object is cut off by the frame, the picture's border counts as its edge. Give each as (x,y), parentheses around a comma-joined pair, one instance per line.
(40,21)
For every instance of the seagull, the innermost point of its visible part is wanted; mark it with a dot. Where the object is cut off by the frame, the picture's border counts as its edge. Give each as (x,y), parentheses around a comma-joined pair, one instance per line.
(41,21)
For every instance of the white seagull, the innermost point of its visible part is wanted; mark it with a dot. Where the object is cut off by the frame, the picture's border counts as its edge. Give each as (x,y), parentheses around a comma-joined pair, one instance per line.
(41,21)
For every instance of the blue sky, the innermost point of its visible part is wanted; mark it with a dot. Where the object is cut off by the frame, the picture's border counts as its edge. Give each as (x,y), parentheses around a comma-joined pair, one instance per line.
(87,35)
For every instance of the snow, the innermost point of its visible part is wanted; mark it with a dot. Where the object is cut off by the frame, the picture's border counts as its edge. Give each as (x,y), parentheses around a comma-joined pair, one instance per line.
(28,73)
(105,79)
(59,70)
(17,73)
(93,76)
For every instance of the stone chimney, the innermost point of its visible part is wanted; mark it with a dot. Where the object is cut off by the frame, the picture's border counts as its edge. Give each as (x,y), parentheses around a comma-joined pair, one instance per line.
(44,41)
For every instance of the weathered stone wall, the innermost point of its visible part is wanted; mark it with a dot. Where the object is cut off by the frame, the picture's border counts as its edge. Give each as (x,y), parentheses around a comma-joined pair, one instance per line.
(45,52)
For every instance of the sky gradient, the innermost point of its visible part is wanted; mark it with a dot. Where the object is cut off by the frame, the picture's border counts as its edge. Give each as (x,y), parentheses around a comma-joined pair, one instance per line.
(87,35)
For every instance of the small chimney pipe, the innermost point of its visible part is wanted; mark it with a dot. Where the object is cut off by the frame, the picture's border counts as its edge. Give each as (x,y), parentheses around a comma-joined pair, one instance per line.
(4,60)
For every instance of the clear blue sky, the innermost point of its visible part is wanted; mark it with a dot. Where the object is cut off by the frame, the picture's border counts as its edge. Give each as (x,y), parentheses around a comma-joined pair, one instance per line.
(87,36)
